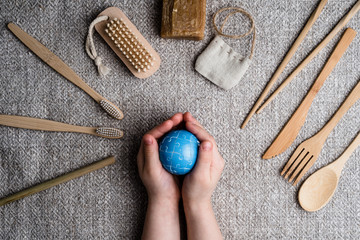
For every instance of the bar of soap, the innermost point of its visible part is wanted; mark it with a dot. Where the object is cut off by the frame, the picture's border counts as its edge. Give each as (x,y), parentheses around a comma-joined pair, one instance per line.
(183,19)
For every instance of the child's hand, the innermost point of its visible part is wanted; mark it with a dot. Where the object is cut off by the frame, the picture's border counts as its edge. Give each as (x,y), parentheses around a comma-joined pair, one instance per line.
(160,184)
(200,183)
(162,215)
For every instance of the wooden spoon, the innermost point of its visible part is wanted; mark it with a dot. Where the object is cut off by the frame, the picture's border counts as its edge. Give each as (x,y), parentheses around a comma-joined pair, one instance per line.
(318,189)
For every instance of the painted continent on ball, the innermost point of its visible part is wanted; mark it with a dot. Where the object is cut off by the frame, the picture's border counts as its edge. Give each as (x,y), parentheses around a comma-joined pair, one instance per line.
(178,151)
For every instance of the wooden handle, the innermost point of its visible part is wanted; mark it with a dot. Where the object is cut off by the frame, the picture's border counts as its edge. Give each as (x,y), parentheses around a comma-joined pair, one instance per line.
(56,181)
(287,58)
(297,120)
(339,50)
(42,124)
(321,45)
(338,164)
(351,148)
(351,99)
(53,61)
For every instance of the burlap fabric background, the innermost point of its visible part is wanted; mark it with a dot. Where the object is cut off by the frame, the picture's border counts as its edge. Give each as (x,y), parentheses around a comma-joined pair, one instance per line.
(251,201)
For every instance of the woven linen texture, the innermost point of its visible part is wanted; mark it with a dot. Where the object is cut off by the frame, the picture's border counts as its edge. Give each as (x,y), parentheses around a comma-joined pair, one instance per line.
(251,200)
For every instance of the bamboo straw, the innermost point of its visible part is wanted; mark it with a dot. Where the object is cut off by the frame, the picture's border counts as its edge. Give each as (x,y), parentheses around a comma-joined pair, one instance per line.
(56,181)
(321,45)
(286,60)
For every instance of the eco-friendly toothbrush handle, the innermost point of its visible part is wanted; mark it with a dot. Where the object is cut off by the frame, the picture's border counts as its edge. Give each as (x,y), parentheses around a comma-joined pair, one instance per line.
(56,181)
(48,125)
(58,65)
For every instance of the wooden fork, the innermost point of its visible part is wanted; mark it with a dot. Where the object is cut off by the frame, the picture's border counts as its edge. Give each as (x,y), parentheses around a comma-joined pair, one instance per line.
(308,151)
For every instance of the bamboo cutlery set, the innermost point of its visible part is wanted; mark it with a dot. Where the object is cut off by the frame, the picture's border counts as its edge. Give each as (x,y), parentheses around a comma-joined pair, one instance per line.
(319,188)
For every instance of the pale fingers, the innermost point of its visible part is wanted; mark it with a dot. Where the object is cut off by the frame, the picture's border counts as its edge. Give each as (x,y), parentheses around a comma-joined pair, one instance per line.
(140,157)
(166,126)
(177,119)
(158,131)
(151,153)
(204,160)
(189,118)
(199,132)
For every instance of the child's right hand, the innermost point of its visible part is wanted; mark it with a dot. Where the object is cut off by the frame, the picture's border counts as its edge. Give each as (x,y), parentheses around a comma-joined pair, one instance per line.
(200,183)
(160,184)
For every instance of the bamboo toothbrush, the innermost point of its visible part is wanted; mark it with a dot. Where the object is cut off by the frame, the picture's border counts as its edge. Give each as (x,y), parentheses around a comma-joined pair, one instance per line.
(48,125)
(58,65)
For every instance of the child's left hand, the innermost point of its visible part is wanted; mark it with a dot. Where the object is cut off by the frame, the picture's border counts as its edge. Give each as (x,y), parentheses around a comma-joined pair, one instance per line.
(160,184)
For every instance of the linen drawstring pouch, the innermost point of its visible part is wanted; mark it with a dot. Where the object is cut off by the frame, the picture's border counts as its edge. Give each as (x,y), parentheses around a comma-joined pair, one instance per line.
(219,63)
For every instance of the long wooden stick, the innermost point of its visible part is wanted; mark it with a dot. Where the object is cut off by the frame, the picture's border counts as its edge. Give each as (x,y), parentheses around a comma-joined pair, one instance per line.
(287,58)
(67,177)
(303,64)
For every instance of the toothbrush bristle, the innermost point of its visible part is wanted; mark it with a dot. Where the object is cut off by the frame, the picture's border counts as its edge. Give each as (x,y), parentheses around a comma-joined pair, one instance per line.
(109,132)
(129,45)
(111,109)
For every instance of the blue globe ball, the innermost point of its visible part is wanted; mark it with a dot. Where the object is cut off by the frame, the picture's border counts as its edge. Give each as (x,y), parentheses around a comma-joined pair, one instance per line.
(178,151)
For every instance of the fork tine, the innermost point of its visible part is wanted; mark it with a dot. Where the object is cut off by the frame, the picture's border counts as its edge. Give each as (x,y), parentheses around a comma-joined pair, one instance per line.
(301,166)
(292,159)
(306,168)
(296,164)
(297,161)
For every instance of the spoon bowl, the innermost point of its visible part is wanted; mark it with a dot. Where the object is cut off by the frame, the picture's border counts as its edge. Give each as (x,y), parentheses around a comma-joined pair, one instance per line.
(318,189)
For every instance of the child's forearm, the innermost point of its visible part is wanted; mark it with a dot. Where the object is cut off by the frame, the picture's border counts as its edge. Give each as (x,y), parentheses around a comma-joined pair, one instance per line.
(201,222)
(162,220)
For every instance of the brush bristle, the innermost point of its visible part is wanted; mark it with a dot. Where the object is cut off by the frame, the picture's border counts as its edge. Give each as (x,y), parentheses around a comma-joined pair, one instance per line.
(111,109)
(109,132)
(129,45)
